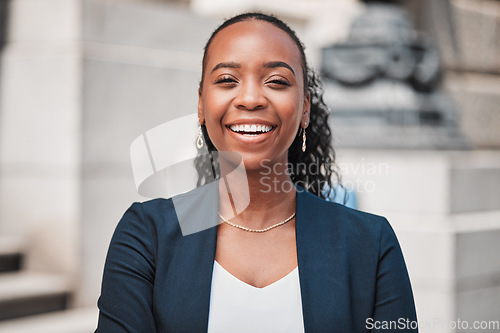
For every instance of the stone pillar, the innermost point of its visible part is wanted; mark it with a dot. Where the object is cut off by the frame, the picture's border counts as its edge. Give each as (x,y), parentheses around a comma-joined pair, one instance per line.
(473,79)
(40,130)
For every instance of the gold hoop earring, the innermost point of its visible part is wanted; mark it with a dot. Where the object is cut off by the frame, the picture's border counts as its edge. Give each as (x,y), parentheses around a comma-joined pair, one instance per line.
(304,139)
(199,142)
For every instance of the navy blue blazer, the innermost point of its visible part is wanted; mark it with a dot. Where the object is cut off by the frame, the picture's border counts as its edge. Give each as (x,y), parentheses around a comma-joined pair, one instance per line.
(352,273)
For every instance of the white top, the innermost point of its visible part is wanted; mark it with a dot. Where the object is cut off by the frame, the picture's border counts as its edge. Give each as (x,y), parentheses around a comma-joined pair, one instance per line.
(236,306)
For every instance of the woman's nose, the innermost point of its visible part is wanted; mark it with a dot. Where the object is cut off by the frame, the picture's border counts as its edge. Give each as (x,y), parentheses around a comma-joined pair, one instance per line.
(250,97)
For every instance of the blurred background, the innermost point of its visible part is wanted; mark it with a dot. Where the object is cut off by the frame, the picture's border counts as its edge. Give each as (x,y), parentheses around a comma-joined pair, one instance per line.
(414,89)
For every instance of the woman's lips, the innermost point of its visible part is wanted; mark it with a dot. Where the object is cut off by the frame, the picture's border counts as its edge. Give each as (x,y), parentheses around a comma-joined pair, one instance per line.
(251,129)
(251,133)
(255,129)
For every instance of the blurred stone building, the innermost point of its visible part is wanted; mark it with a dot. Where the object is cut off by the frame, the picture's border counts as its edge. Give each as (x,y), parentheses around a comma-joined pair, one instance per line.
(81,79)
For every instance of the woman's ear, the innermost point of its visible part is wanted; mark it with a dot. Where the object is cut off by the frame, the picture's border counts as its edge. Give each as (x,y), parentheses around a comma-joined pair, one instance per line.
(306,110)
(201,114)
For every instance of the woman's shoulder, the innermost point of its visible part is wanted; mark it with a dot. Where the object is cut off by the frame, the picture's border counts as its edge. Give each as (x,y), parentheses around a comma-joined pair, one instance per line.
(185,213)
(158,206)
(151,216)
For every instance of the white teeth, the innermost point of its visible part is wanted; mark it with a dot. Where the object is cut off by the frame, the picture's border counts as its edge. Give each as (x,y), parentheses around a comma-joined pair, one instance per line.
(251,128)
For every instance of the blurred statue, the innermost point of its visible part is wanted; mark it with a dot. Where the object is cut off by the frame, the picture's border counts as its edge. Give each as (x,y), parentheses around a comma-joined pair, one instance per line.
(382,85)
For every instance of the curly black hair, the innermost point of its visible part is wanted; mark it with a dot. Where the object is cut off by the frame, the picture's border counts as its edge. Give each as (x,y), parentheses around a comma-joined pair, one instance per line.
(312,169)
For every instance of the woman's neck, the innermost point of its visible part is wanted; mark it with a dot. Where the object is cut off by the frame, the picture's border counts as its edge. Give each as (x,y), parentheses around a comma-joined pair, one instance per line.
(257,199)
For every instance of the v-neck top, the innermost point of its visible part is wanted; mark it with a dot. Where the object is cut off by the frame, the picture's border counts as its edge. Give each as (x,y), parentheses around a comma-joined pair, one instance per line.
(236,306)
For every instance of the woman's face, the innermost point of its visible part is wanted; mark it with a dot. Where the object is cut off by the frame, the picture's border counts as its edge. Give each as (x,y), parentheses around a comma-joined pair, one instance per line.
(252,97)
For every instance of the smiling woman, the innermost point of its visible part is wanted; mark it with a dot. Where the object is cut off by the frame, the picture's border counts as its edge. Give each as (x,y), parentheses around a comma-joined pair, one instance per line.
(289,261)
(318,149)
(253,77)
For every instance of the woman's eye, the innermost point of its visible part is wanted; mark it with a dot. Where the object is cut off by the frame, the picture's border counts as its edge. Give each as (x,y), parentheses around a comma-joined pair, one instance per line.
(279,82)
(225,80)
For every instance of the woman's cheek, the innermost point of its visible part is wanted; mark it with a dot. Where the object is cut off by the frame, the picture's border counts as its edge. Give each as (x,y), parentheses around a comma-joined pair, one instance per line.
(217,104)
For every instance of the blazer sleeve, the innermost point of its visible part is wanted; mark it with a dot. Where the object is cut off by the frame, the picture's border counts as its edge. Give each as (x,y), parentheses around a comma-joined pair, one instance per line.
(126,301)
(394,304)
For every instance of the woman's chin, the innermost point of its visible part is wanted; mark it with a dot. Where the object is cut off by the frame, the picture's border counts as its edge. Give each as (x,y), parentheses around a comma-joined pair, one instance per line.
(253,162)
(265,165)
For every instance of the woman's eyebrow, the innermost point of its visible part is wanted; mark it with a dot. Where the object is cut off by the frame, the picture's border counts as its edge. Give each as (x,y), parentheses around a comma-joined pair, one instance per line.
(276,64)
(226,65)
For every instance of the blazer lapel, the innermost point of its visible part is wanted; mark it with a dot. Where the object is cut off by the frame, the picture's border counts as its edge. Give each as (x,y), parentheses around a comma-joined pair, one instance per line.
(198,279)
(189,283)
(322,264)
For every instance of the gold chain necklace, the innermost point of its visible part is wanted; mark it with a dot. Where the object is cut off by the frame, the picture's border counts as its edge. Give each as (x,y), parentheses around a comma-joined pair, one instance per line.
(255,230)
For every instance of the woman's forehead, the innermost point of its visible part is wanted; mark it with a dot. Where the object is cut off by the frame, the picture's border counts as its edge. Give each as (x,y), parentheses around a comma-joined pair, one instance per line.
(255,38)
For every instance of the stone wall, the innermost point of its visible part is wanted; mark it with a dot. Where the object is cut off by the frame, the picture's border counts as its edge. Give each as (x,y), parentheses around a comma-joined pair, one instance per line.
(80,81)
(40,134)
(474,81)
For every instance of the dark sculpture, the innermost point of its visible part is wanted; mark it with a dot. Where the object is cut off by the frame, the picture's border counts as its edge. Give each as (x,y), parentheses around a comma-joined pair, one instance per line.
(382,85)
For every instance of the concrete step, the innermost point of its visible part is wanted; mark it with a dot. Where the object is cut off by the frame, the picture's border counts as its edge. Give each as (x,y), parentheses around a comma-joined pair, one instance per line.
(11,254)
(82,320)
(30,293)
